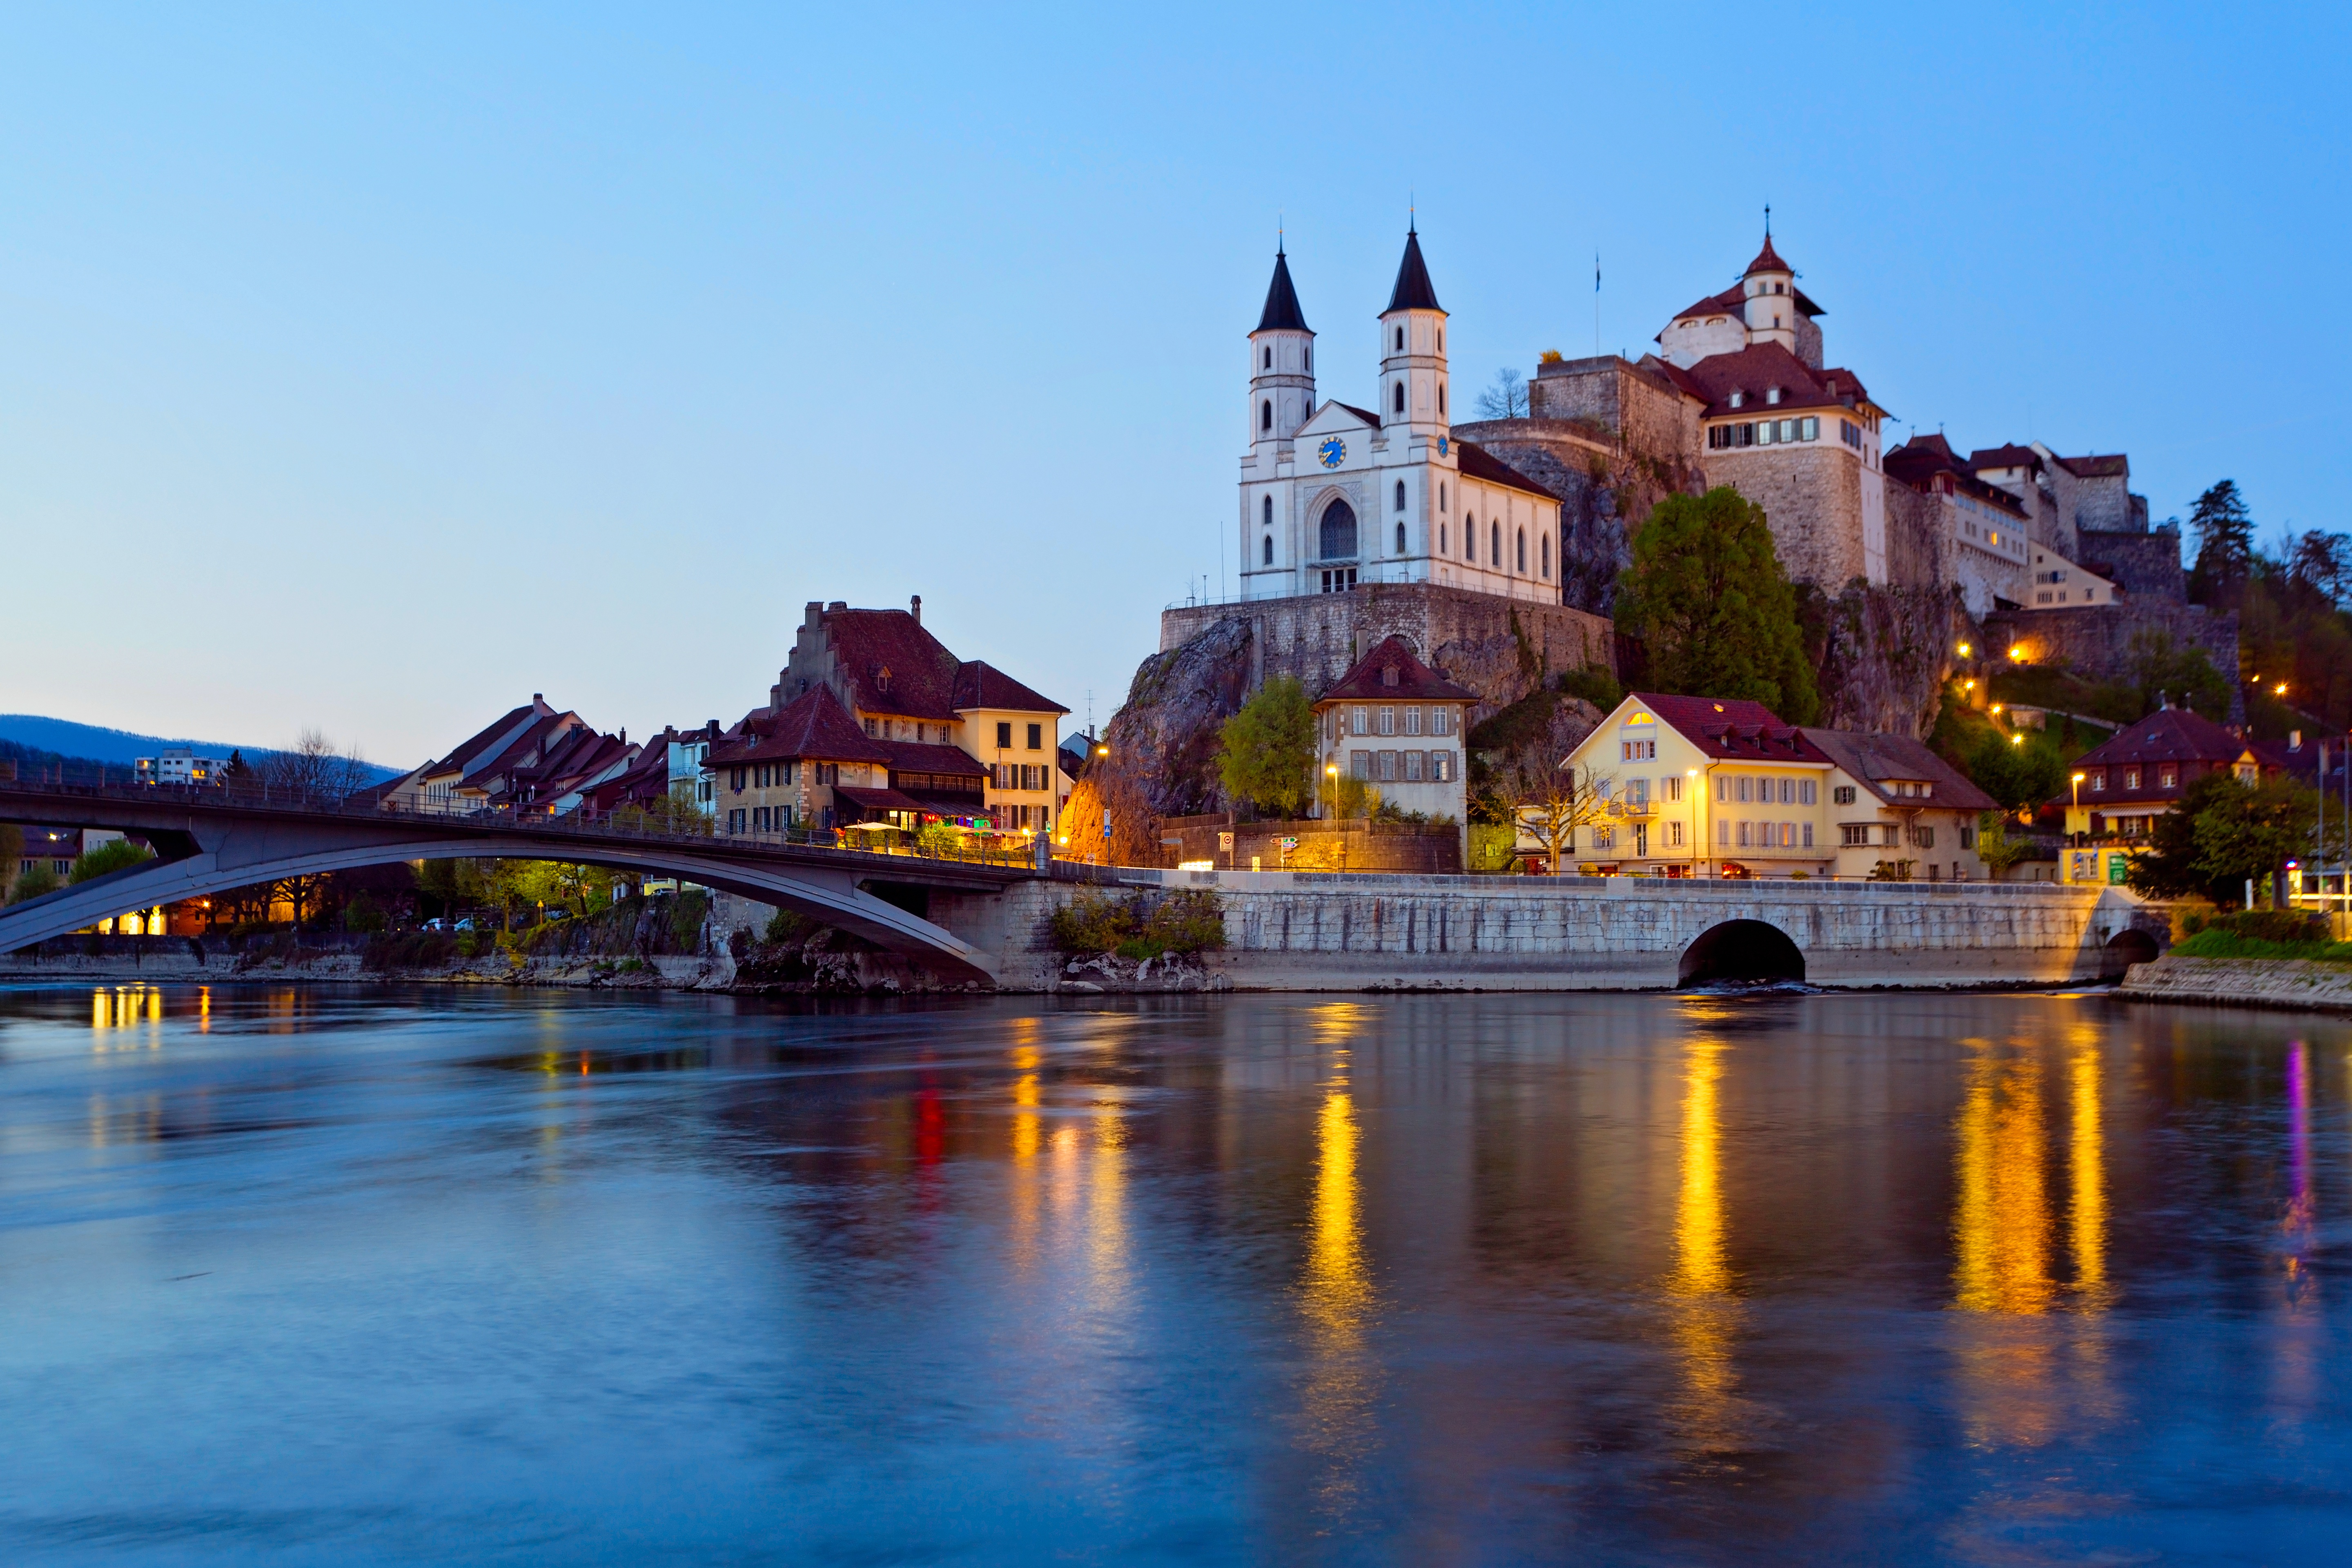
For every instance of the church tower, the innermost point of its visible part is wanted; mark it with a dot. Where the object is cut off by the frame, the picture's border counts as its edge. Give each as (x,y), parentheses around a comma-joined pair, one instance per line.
(1282,364)
(1413,397)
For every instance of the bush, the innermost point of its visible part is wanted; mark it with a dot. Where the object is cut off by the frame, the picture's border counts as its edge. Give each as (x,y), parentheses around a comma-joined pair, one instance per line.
(412,950)
(32,884)
(2264,925)
(686,919)
(1490,846)
(362,914)
(786,925)
(470,943)
(1138,926)
(112,855)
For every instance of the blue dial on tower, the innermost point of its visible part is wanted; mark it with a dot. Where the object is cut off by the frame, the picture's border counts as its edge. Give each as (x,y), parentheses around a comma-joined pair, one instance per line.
(1333,452)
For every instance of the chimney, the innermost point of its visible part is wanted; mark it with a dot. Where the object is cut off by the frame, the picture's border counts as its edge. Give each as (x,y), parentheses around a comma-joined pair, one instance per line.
(624,735)
(916,604)
(710,730)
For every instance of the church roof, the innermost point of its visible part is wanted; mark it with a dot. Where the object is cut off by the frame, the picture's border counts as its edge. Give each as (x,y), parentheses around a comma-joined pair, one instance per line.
(1366,414)
(1767,261)
(1282,312)
(1414,290)
(1477,463)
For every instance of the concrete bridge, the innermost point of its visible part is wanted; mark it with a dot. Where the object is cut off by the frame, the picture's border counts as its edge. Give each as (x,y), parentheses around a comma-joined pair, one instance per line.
(209,841)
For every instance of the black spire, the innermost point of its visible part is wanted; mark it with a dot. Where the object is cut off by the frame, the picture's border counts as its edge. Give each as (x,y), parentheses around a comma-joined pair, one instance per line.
(1282,312)
(1412,290)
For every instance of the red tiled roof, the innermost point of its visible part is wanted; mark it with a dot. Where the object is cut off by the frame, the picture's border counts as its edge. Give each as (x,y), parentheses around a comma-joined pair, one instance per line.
(1731,729)
(1917,460)
(2114,466)
(1767,261)
(1874,759)
(2011,455)
(1477,463)
(813,724)
(892,664)
(1366,681)
(1754,370)
(1728,302)
(979,684)
(2167,735)
(921,757)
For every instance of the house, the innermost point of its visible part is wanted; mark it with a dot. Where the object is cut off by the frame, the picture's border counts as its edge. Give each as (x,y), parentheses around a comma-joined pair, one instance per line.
(1892,800)
(805,765)
(1695,787)
(1393,723)
(530,758)
(2121,788)
(180,766)
(899,684)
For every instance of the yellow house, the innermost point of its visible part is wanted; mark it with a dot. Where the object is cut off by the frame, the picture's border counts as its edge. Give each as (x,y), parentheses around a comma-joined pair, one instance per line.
(1704,787)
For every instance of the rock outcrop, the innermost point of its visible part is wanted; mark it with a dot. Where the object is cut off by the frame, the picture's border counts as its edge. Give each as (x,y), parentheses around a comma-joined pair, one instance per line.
(1887,653)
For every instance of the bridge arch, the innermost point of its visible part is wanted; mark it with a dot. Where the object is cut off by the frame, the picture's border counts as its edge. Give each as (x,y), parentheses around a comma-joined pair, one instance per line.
(1740,950)
(2123,950)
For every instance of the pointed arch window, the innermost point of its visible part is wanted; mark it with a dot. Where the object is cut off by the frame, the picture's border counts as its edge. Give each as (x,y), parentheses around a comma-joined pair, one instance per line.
(1269,358)
(1269,552)
(1546,557)
(1270,512)
(1336,533)
(1440,340)
(1494,544)
(1265,416)
(1441,539)
(1399,493)
(1441,398)
(1470,540)
(1400,397)
(1520,553)
(1440,495)
(1400,549)
(1400,348)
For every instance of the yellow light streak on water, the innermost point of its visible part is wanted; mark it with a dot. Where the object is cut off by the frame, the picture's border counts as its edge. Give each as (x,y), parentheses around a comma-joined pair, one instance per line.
(2087,1210)
(1702,1311)
(1337,1298)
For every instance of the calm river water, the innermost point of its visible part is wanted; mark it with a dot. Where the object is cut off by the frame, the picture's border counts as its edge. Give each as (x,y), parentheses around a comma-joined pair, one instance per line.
(411,1276)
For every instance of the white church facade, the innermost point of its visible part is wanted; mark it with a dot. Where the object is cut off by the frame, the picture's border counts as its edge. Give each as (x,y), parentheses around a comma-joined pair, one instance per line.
(1333,495)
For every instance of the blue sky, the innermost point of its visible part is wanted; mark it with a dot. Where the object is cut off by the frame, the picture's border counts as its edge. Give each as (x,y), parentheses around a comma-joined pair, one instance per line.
(376,370)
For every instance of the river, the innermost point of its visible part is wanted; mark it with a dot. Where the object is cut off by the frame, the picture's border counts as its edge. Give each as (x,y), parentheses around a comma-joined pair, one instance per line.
(336,1275)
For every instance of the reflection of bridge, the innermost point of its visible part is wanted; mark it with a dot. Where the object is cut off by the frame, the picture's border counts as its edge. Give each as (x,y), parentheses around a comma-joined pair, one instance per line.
(209,841)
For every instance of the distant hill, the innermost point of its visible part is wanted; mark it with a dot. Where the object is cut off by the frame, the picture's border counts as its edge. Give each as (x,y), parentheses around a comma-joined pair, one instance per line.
(64,738)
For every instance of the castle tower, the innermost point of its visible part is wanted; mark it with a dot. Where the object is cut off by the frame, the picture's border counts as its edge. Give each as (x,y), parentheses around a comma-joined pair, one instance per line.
(1414,396)
(1770,286)
(1282,364)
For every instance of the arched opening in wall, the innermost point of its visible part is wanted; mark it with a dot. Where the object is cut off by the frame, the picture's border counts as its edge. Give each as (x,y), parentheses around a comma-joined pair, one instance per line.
(1400,397)
(1269,551)
(1265,415)
(2125,949)
(1740,950)
(1399,495)
(1337,535)
(1400,549)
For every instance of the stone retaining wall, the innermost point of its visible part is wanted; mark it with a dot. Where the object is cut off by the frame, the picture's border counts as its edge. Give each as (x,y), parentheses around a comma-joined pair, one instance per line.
(2243,983)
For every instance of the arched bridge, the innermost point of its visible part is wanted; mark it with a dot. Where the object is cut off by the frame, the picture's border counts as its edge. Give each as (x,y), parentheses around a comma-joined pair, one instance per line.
(208,842)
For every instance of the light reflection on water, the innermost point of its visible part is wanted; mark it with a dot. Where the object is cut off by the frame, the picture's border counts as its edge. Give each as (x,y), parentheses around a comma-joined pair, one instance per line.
(325,1276)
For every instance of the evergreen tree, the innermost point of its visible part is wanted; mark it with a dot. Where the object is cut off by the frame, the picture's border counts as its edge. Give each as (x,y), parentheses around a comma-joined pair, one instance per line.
(1269,747)
(2225,544)
(1706,595)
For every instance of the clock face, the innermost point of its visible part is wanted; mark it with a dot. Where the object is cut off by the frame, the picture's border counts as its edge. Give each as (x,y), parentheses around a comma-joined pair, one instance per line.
(1333,452)
(1441,445)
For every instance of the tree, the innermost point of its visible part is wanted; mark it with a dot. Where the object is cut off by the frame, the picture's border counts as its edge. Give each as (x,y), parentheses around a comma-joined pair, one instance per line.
(1553,802)
(676,815)
(1269,749)
(33,882)
(1995,847)
(1707,595)
(2225,544)
(2319,568)
(313,768)
(2017,769)
(1505,398)
(2184,676)
(112,855)
(2222,833)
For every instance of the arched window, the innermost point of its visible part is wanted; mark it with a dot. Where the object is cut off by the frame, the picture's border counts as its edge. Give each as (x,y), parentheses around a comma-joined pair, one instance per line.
(1441,539)
(1400,348)
(1546,557)
(1270,512)
(1440,340)
(1310,359)
(1440,495)
(1269,359)
(1441,398)
(1494,544)
(1338,532)
(1470,540)
(1265,416)
(1269,550)
(1400,549)
(1521,554)
(1400,397)
(1399,505)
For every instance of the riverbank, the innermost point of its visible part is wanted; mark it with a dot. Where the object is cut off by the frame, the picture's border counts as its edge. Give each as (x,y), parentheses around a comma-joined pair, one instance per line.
(2301,985)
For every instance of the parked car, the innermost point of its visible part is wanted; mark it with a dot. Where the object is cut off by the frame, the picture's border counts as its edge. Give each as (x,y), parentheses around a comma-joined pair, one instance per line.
(558,914)
(466,924)
(437,924)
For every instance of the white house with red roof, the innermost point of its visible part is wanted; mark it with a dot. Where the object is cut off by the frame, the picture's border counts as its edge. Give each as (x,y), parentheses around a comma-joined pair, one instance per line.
(1333,495)
(1395,724)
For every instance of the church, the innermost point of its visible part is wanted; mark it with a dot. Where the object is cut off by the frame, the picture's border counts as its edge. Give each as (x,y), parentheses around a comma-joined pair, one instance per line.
(1334,495)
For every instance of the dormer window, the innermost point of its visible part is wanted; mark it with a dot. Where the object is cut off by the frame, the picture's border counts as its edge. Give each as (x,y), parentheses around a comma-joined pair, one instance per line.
(1388,675)
(1737,398)
(1771,395)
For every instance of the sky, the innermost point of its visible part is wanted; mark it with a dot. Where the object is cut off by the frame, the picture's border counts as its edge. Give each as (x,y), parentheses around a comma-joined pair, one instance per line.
(373,370)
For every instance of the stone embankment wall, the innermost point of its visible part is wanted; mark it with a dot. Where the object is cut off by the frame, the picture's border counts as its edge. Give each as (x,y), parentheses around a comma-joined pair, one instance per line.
(2291,982)
(2094,641)
(1316,931)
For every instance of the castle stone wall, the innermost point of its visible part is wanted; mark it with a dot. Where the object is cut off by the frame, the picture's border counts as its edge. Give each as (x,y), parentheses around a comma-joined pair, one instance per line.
(1811,497)
(2144,565)
(2095,640)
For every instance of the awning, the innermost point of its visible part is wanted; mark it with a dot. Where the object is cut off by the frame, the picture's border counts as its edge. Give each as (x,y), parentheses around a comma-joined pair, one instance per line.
(875,799)
(949,805)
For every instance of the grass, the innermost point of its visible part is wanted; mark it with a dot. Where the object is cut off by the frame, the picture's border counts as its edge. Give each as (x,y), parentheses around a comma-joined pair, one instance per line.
(2217,943)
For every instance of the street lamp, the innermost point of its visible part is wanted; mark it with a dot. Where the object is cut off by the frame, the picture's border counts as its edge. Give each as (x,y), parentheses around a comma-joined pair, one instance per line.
(1331,771)
(1964,651)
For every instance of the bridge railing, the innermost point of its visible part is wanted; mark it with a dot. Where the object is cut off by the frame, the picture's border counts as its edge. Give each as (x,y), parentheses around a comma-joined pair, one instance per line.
(625,824)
